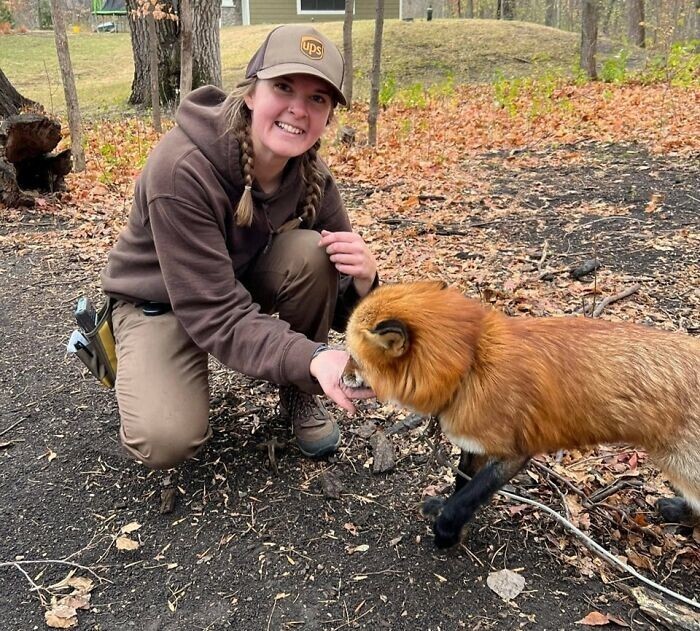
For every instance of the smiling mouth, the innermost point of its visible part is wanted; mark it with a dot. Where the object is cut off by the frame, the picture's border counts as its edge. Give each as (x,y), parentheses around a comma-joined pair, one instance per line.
(289,128)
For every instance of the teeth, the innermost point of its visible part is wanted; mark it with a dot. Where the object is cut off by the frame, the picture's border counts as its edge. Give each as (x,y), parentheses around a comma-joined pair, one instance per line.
(289,128)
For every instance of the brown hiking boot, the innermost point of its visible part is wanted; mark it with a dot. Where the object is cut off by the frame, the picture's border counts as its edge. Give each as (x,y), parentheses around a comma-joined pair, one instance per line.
(315,429)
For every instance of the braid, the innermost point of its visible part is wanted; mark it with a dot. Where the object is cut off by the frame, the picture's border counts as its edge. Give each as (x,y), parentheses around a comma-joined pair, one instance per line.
(239,126)
(245,208)
(313,178)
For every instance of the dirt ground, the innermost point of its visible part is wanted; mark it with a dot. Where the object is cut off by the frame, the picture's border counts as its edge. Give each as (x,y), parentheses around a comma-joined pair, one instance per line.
(250,548)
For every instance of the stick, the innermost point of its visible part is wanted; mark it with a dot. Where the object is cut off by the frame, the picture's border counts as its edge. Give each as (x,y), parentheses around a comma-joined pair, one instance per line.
(610,299)
(3,432)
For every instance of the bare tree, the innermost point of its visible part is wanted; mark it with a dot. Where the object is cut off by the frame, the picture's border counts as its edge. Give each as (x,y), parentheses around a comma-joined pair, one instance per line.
(347,51)
(153,68)
(505,9)
(71,94)
(589,37)
(550,12)
(469,9)
(376,75)
(185,48)
(635,22)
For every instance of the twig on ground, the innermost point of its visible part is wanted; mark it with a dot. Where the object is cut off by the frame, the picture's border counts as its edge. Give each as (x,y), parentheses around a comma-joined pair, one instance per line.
(15,424)
(610,299)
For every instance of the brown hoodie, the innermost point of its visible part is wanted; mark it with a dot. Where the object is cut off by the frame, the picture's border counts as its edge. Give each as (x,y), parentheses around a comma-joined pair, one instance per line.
(181,245)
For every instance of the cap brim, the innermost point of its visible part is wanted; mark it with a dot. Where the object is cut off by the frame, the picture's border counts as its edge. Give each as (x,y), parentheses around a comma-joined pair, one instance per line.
(284,69)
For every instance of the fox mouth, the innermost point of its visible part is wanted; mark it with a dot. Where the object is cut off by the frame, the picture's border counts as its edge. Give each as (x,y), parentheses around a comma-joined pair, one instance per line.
(291,129)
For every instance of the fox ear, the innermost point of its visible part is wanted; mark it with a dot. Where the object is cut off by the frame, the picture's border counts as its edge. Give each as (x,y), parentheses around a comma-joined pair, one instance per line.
(392,336)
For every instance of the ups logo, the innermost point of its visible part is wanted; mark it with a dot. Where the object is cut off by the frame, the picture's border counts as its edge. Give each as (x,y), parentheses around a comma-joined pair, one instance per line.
(311,47)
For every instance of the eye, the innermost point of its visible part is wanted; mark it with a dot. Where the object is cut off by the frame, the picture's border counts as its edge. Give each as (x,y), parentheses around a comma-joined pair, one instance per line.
(282,86)
(321,99)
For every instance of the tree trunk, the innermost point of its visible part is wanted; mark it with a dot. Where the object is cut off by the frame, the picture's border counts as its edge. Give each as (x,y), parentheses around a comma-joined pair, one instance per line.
(69,90)
(153,69)
(11,101)
(550,13)
(26,141)
(206,62)
(185,48)
(697,23)
(376,75)
(347,51)
(589,37)
(635,24)
(168,57)
(469,10)
(206,43)
(505,9)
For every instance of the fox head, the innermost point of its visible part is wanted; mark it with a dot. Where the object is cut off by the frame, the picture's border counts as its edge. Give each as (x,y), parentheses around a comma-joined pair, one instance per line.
(412,343)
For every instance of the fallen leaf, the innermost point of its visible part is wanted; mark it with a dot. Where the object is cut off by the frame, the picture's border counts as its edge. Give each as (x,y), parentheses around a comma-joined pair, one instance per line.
(131,527)
(506,583)
(383,451)
(124,543)
(61,617)
(594,619)
(361,548)
(331,486)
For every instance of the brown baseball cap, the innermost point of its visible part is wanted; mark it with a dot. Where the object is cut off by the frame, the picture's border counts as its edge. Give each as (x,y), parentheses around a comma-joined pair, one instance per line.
(299,49)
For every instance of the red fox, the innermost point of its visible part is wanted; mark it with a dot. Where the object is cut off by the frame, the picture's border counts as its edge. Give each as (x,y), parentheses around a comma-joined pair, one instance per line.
(506,389)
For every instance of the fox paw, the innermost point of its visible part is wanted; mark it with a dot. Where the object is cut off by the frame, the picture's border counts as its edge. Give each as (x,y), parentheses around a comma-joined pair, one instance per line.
(676,510)
(445,534)
(432,507)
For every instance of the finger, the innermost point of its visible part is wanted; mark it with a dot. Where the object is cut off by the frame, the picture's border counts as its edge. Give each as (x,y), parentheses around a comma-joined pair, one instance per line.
(347,259)
(358,393)
(338,396)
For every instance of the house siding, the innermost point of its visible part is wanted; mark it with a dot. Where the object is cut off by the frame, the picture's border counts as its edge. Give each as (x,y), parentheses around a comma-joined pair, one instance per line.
(285,12)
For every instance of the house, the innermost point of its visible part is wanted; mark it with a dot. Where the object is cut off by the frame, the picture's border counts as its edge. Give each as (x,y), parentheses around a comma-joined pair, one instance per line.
(287,11)
(276,11)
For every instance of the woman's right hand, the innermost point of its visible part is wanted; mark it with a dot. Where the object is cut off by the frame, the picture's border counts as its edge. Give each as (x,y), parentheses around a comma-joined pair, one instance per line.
(327,367)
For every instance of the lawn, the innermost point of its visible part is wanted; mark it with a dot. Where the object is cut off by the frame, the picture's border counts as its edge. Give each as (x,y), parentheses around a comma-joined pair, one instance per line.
(417,52)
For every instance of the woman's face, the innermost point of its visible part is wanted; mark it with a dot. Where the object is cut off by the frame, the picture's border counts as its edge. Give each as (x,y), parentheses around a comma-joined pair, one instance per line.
(289,114)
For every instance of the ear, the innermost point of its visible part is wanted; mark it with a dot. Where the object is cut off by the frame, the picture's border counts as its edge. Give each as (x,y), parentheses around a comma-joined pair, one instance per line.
(392,336)
(431,285)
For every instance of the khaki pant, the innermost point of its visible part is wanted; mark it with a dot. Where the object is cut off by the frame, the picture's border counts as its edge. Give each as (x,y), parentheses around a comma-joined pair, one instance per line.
(163,383)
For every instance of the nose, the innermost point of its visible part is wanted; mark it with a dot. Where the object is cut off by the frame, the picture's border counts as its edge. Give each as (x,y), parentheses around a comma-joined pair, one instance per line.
(297,107)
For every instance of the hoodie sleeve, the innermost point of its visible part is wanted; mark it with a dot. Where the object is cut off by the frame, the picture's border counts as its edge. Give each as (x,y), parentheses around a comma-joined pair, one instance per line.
(216,309)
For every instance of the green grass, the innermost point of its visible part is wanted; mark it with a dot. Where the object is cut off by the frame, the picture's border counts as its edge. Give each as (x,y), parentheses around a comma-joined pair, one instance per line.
(419,52)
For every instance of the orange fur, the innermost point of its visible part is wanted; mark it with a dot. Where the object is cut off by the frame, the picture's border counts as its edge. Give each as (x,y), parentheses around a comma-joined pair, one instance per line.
(514,387)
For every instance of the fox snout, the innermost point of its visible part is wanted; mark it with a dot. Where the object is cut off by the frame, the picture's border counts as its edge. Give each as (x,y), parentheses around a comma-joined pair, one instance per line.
(352,376)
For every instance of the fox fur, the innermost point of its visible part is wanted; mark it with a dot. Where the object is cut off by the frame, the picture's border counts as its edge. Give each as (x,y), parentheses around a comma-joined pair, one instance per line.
(506,389)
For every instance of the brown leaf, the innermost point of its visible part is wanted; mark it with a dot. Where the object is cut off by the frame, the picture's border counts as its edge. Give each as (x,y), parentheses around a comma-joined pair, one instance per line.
(124,543)
(383,452)
(331,486)
(594,619)
(61,617)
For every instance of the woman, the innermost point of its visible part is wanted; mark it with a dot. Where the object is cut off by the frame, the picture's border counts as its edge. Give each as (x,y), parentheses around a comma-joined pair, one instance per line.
(236,218)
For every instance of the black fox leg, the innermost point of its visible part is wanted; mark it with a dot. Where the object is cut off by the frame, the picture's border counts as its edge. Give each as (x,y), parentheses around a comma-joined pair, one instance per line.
(677,511)
(462,505)
(469,464)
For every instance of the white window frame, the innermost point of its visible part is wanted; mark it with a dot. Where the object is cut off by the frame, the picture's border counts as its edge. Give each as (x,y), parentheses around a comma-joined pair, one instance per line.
(300,12)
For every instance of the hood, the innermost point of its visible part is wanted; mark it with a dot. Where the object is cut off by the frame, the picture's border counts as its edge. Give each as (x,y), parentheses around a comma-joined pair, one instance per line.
(202,117)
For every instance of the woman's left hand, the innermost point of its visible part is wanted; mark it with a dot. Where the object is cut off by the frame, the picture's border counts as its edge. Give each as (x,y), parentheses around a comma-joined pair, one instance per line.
(351,256)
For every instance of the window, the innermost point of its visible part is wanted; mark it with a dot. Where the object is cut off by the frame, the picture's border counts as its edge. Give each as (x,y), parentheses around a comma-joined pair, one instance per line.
(320,6)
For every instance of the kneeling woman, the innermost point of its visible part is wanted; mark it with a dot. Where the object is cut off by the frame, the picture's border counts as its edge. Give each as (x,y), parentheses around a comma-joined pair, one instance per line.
(235,217)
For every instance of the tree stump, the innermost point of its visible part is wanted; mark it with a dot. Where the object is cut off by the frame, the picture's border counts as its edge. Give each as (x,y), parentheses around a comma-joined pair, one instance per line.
(26,142)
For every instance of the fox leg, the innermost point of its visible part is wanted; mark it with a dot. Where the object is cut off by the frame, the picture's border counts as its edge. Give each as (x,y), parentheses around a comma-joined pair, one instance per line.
(462,505)
(469,464)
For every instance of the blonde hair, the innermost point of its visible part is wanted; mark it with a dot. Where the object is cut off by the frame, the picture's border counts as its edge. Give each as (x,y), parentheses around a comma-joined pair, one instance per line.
(239,119)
